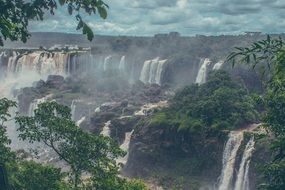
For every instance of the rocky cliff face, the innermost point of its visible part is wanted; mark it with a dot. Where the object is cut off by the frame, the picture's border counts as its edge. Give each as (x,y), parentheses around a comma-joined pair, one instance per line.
(155,151)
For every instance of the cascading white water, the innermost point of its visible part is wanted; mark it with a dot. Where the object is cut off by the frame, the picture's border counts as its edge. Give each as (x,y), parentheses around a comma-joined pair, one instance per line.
(145,71)
(122,65)
(73,108)
(152,71)
(202,73)
(229,158)
(242,181)
(80,121)
(106,62)
(106,132)
(159,71)
(218,65)
(125,147)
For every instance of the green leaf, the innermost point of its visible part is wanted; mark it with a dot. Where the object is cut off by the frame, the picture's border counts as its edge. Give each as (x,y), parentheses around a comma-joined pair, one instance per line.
(102,12)
(61,2)
(70,8)
(87,30)
(80,25)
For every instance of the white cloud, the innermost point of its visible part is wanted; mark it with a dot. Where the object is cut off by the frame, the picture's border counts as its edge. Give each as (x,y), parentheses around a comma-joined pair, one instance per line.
(189,17)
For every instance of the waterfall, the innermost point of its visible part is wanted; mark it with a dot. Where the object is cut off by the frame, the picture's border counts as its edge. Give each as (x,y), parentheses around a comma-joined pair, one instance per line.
(242,182)
(73,108)
(106,62)
(152,71)
(159,71)
(145,71)
(80,121)
(229,158)
(218,65)
(106,132)
(125,147)
(122,65)
(149,107)
(202,73)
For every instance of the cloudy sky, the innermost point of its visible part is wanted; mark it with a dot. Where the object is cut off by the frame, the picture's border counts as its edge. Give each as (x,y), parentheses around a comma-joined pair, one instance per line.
(189,17)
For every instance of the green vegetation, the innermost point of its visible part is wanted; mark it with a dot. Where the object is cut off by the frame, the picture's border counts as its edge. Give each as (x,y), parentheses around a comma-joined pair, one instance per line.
(269,56)
(219,104)
(16,15)
(86,154)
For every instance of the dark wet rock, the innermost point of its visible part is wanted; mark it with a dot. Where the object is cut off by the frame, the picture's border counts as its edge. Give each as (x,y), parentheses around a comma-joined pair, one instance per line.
(25,97)
(55,81)
(39,84)
(124,103)
(122,125)
(161,150)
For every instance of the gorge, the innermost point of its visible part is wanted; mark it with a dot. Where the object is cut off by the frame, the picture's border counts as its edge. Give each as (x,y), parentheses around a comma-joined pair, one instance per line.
(127,88)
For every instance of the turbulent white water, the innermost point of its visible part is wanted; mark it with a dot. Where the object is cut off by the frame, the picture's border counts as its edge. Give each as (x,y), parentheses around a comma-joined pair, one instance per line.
(106,132)
(242,182)
(218,65)
(80,121)
(202,73)
(152,71)
(229,158)
(148,107)
(125,147)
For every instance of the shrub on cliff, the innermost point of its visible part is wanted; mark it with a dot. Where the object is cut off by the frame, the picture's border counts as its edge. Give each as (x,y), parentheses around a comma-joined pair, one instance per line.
(220,103)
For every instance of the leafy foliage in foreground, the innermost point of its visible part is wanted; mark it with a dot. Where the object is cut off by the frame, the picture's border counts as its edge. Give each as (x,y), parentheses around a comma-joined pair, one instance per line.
(270,55)
(220,103)
(84,153)
(16,15)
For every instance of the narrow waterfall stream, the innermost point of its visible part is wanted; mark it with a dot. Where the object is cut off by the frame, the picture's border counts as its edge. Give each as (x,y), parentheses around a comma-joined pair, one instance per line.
(229,158)
(106,132)
(242,182)
(218,65)
(125,147)
(73,108)
(80,121)
(202,73)
(229,162)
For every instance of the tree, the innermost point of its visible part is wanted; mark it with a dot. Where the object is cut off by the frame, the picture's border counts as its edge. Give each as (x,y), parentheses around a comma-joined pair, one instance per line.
(29,175)
(16,15)
(269,56)
(220,103)
(5,151)
(83,152)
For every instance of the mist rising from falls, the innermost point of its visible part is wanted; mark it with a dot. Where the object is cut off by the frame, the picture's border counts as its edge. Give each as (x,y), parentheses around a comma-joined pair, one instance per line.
(152,71)
(242,182)
(202,73)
